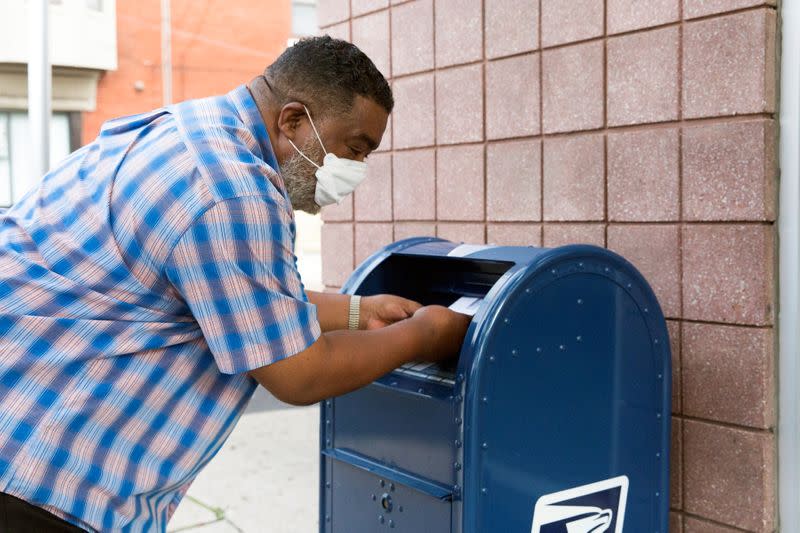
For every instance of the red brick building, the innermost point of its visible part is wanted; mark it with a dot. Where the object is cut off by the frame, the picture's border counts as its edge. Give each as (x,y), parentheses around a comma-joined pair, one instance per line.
(216,45)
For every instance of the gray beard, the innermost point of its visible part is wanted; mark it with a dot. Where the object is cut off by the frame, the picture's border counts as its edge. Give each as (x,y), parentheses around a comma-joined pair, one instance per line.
(300,179)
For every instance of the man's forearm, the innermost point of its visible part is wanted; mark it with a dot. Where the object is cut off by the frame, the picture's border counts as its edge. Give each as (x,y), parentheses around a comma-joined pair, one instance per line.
(332,309)
(340,362)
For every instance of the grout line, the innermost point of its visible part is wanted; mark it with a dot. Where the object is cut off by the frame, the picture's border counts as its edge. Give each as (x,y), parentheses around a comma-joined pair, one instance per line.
(596,222)
(370,11)
(712,522)
(720,423)
(435,133)
(391,127)
(681,276)
(684,321)
(353,206)
(485,151)
(605,123)
(646,126)
(541,126)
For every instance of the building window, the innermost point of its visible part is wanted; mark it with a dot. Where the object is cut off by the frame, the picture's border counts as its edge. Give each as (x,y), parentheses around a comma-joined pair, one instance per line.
(304,18)
(15,154)
(5,163)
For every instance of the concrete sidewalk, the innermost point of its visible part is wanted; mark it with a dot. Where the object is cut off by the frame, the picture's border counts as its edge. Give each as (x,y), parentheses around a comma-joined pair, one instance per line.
(265,478)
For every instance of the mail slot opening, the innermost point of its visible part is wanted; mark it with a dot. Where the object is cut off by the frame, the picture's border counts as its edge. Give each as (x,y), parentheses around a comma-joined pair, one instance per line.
(434,280)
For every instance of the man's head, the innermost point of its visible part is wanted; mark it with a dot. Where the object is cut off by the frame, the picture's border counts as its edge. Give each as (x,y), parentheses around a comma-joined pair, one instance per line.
(346,96)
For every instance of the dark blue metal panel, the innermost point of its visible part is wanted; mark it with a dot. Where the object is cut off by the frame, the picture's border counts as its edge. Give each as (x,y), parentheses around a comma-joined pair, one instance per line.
(363,502)
(570,386)
(392,473)
(387,426)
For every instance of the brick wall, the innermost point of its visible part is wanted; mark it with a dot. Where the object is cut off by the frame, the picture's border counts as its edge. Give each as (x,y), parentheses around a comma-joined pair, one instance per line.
(216,45)
(647,127)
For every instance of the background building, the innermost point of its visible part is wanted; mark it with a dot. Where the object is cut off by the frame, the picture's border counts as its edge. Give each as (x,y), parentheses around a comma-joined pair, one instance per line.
(107,63)
(647,127)
(216,45)
(83,47)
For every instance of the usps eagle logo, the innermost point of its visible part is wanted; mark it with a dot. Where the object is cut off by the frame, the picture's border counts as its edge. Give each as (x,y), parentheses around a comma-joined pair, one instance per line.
(595,508)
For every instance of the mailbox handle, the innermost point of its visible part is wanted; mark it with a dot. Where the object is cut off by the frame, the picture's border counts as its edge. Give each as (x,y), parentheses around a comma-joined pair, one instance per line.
(426,486)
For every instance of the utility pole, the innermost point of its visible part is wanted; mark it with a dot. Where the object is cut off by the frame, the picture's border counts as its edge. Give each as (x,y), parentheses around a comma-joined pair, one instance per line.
(39,86)
(166,52)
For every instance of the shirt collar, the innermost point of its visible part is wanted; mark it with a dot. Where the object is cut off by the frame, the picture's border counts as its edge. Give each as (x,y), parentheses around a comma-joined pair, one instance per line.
(248,111)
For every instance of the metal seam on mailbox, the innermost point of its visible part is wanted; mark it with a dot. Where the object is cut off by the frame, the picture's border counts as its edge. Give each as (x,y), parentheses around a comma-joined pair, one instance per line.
(397,475)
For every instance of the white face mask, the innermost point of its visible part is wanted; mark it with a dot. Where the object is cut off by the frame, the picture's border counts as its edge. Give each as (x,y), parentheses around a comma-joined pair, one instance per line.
(337,177)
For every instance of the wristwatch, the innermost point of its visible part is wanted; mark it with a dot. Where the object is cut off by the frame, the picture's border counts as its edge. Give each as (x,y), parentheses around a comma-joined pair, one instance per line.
(354,317)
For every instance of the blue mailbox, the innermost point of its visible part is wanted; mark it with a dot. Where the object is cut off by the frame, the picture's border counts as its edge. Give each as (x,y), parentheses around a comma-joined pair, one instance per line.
(554,419)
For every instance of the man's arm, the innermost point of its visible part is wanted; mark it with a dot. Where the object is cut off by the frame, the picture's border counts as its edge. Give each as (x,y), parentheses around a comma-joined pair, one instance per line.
(342,361)
(376,311)
(332,309)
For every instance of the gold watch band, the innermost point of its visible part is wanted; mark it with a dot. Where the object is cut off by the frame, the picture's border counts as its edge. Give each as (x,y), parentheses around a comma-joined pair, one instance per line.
(354,316)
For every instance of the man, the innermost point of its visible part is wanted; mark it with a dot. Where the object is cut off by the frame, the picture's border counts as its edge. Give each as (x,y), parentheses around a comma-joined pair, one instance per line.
(149,284)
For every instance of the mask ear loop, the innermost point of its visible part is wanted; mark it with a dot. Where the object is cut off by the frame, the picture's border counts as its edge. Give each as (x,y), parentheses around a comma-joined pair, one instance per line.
(302,154)
(315,133)
(315,130)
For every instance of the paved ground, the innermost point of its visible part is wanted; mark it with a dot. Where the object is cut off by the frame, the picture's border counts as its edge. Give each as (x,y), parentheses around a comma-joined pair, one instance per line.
(265,478)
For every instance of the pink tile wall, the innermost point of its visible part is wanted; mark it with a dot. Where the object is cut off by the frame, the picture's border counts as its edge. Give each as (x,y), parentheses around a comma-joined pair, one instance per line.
(643,175)
(512,97)
(566,22)
(728,65)
(513,180)
(643,77)
(459,105)
(645,126)
(460,182)
(412,37)
(574,178)
(572,87)
(512,26)
(628,15)
(458,31)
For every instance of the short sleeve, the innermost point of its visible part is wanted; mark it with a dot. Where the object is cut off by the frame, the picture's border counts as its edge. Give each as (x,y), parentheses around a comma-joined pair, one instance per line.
(235,269)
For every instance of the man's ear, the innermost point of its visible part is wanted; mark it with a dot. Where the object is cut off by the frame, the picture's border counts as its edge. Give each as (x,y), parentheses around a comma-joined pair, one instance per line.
(290,118)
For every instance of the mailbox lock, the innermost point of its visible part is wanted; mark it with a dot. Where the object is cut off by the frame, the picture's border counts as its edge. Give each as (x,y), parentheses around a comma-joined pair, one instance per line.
(386,502)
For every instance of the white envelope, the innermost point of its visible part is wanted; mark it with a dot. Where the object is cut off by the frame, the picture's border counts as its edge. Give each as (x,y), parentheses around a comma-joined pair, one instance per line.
(466,305)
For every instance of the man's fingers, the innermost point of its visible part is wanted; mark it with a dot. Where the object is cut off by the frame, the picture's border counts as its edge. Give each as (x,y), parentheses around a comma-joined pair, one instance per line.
(393,308)
(410,307)
(400,312)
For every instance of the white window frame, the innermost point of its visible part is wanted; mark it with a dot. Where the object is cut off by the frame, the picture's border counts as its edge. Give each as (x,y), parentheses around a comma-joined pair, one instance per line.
(56,154)
(5,116)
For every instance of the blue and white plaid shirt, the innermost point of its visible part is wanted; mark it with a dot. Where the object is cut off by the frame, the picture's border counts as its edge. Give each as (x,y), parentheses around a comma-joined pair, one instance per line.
(138,283)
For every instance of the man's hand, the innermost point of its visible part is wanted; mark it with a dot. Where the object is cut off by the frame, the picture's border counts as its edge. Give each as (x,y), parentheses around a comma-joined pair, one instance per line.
(445,331)
(383,310)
